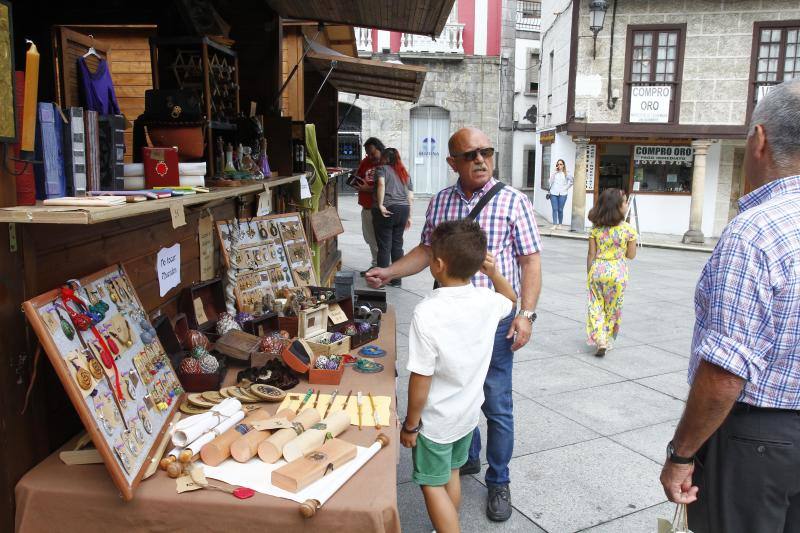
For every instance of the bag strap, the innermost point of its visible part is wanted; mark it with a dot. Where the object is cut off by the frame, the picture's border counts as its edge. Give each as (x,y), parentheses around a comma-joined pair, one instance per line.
(485,200)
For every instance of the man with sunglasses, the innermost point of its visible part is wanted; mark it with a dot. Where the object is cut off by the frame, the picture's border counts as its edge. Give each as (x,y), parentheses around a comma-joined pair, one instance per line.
(513,240)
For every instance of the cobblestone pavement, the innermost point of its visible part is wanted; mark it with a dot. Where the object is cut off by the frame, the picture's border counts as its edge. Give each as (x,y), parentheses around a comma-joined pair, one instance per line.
(590,433)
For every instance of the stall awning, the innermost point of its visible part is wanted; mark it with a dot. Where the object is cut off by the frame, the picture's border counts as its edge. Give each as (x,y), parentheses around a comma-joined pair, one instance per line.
(425,17)
(395,81)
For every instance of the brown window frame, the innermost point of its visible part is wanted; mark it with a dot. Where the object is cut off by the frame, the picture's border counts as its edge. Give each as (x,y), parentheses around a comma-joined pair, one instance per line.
(757,27)
(675,102)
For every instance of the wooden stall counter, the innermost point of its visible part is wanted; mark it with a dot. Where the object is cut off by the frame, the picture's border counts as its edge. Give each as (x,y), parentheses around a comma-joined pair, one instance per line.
(82,498)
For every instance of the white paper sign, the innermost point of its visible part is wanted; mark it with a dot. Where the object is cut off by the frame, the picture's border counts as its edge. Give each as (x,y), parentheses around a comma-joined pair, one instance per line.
(763,90)
(168,268)
(305,190)
(264,203)
(650,103)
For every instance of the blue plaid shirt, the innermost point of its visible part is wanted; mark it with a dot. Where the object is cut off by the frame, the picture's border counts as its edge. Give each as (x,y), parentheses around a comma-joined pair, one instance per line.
(747,302)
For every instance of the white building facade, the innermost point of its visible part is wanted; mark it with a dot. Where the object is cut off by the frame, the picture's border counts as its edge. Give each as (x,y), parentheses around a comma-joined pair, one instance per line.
(657,103)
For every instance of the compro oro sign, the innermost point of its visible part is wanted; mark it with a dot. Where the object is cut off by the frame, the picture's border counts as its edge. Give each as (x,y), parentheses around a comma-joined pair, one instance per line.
(650,103)
(663,155)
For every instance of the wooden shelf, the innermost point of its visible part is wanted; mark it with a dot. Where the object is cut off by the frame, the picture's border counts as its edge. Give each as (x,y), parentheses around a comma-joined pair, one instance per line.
(41,214)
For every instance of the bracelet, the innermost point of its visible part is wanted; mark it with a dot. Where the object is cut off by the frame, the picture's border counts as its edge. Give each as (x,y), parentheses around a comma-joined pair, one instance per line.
(403,429)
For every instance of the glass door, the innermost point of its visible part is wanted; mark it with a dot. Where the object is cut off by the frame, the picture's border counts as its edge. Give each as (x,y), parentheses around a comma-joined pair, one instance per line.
(427,160)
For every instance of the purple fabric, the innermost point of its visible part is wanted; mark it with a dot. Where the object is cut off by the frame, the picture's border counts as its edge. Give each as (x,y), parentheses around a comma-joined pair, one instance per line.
(98,89)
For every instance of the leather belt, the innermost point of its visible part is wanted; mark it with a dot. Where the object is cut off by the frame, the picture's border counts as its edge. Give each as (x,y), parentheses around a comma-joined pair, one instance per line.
(741,407)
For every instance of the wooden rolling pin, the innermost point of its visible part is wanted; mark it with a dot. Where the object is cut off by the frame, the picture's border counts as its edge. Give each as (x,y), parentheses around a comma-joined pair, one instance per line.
(271,449)
(219,449)
(314,437)
(245,447)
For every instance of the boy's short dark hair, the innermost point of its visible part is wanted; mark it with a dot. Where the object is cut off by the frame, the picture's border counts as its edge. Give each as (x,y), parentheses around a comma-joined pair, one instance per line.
(461,244)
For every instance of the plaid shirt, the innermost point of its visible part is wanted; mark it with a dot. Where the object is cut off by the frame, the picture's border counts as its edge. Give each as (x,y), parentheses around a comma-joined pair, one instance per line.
(507,220)
(747,301)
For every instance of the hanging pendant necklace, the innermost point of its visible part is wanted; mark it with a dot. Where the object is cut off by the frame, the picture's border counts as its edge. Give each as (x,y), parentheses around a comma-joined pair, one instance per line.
(111,344)
(94,366)
(66,327)
(82,376)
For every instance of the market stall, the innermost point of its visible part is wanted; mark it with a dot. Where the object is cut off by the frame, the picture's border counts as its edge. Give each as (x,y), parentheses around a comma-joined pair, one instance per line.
(115,239)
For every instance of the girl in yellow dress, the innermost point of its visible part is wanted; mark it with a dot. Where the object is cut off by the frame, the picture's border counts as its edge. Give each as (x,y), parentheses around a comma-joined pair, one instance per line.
(612,242)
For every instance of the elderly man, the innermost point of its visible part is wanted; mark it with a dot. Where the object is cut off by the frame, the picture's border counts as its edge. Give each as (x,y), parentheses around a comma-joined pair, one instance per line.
(735,455)
(509,224)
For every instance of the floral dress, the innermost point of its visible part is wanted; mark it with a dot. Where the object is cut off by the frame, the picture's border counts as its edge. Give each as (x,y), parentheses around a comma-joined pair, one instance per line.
(607,279)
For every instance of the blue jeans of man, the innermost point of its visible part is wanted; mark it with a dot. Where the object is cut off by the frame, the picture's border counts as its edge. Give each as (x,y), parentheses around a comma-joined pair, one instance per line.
(498,407)
(557,202)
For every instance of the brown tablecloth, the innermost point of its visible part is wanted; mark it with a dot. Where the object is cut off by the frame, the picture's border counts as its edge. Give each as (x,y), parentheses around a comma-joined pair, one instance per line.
(53,496)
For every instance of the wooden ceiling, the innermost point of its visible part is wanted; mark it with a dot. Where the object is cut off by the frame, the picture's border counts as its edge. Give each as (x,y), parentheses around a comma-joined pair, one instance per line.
(425,17)
(369,77)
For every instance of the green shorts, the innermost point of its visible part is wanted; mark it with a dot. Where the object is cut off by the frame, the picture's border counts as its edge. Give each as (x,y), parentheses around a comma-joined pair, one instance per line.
(434,462)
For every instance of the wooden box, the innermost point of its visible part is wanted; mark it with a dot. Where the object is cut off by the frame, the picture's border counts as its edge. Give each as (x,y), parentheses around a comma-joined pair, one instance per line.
(300,357)
(339,347)
(300,473)
(237,344)
(312,321)
(203,303)
(359,339)
(372,298)
(263,324)
(204,382)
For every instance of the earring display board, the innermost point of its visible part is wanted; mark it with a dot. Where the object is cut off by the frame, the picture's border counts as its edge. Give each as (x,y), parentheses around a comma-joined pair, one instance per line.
(267,254)
(113,367)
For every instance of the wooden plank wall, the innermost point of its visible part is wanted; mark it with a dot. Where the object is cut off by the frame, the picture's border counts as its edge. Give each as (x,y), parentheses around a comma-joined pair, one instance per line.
(129,61)
(293,97)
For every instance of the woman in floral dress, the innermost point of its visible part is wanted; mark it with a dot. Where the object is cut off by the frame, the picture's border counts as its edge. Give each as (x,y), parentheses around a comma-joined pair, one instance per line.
(612,242)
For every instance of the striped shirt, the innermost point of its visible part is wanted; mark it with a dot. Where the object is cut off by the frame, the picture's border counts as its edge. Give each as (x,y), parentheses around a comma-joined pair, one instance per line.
(507,219)
(747,302)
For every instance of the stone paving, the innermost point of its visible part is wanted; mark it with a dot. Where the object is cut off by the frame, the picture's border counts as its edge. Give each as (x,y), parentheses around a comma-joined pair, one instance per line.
(590,433)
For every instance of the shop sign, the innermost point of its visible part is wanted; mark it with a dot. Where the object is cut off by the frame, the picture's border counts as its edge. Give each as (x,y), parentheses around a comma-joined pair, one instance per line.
(428,147)
(663,155)
(547,137)
(650,103)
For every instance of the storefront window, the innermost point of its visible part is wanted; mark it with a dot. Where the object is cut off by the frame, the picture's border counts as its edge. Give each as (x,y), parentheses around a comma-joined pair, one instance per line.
(662,168)
(546,168)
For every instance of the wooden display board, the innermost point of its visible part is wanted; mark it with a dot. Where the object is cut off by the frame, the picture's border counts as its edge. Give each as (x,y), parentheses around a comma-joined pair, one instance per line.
(125,429)
(267,254)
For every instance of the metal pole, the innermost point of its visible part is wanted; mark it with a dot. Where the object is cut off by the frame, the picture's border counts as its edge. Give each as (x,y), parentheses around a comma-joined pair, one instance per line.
(328,75)
(294,70)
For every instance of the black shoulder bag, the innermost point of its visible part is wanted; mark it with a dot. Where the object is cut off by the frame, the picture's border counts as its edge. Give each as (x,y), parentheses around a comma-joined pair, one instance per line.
(479,207)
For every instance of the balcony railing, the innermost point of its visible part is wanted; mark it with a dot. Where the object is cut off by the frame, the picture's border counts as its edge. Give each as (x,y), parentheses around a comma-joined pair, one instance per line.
(364,40)
(450,42)
(529,15)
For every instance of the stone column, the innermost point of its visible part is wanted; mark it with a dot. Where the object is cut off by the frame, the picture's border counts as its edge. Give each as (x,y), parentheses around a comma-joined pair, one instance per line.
(695,233)
(579,187)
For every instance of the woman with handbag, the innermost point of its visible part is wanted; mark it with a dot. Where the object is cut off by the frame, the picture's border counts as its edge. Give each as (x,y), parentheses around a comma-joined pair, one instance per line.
(560,184)
(391,211)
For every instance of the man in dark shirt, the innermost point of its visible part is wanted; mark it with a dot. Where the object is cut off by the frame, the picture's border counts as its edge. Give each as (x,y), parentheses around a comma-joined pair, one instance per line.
(366,186)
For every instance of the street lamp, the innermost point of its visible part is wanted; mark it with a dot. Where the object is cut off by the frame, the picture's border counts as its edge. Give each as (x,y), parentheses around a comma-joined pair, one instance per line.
(597,15)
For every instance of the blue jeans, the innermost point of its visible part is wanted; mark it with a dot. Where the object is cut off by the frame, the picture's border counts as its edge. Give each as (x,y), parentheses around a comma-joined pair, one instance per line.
(557,202)
(498,407)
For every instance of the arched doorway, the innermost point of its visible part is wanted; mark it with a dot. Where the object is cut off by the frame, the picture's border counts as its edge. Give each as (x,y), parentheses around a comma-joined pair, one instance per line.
(350,150)
(430,130)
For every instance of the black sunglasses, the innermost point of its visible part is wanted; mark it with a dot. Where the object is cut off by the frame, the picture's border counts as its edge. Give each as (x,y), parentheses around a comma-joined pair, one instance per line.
(486,153)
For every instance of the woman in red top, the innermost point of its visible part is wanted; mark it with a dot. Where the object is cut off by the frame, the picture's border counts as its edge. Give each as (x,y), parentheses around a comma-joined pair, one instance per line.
(366,188)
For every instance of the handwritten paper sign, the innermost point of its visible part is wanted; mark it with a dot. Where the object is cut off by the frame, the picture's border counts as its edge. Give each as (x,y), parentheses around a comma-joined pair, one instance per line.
(168,268)
(205,239)
(305,190)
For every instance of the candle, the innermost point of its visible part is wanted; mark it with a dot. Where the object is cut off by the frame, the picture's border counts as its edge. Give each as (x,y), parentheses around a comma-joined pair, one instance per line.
(31,98)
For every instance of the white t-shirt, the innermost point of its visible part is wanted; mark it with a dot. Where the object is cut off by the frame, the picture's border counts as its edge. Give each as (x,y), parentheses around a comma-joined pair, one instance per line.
(451,338)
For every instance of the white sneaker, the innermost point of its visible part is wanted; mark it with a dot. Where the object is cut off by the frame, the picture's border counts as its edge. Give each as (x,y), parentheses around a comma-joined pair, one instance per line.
(555,227)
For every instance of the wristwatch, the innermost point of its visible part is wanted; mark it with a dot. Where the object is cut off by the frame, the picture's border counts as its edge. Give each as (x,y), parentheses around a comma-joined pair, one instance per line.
(403,429)
(530,315)
(672,457)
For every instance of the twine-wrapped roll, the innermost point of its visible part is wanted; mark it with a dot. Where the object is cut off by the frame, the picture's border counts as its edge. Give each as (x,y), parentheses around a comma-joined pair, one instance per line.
(314,437)
(219,449)
(245,446)
(189,429)
(197,445)
(271,449)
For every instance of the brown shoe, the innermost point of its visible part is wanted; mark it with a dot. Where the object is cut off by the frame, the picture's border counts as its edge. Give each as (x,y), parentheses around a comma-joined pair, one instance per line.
(600,352)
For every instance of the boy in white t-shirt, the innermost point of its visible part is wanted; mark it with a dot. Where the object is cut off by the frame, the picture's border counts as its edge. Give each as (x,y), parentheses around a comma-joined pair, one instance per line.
(450,348)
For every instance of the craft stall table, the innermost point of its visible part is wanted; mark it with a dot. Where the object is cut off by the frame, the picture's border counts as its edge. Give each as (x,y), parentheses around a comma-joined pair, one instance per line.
(83,497)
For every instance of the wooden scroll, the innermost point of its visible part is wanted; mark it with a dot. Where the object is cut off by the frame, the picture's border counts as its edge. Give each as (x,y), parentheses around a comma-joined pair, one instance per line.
(314,437)
(302,472)
(219,449)
(245,447)
(272,448)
